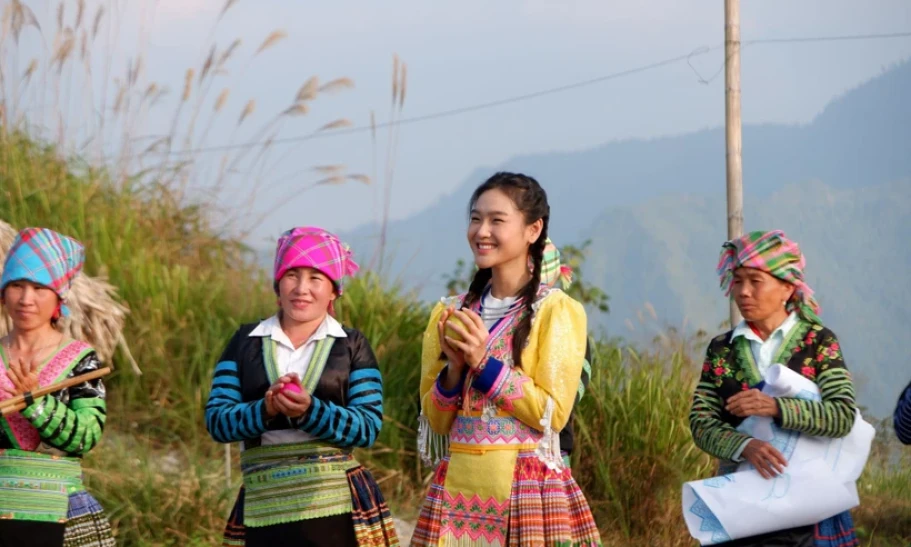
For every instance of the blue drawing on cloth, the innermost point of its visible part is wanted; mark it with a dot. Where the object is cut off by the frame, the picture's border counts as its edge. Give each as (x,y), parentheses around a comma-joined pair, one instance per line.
(710,522)
(780,487)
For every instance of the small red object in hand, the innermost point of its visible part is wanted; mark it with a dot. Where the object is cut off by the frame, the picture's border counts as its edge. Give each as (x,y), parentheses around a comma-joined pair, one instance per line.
(291,387)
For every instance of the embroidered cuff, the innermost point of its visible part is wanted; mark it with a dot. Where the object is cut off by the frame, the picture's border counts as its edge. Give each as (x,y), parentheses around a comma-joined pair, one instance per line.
(454,392)
(487,380)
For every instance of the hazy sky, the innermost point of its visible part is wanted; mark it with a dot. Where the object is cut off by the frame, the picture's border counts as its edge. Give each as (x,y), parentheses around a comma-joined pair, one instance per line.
(468,52)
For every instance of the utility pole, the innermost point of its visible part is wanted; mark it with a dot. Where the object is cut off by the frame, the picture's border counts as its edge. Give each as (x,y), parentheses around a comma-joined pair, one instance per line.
(733,136)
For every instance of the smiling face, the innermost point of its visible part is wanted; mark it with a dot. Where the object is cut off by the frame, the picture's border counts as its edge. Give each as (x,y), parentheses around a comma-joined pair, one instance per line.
(759,295)
(304,295)
(30,305)
(498,232)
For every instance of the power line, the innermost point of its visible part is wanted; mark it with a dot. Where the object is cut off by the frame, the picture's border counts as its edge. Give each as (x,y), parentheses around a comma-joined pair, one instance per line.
(533,95)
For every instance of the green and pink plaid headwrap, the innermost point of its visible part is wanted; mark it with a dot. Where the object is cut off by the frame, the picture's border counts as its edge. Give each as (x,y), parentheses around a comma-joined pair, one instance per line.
(775,254)
(552,269)
(44,257)
(312,247)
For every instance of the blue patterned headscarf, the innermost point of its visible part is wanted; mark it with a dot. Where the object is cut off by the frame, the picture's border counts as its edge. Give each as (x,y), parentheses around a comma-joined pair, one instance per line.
(44,257)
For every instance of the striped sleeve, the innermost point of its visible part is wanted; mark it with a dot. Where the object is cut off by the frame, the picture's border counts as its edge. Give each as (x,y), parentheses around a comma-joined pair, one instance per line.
(228,418)
(710,433)
(358,423)
(833,416)
(74,427)
(902,418)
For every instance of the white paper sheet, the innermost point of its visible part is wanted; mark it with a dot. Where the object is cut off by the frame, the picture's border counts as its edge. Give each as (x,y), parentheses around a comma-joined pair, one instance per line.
(819,481)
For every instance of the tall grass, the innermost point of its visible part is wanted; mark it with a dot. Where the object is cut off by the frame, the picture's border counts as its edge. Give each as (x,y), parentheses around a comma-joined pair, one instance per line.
(189,282)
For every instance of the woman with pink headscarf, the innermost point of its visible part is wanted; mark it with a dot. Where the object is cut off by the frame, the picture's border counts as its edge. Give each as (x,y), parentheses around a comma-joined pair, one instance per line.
(763,272)
(300,392)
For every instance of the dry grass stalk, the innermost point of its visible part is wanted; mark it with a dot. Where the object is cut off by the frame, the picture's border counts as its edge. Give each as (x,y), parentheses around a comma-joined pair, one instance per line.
(225,9)
(222,99)
(395,78)
(16,16)
(358,177)
(404,85)
(248,109)
(208,64)
(299,109)
(336,85)
(65,43)
(228,53)
(80,10)
(96,317)
(336,124)
(187,85)
(329,169)
(60,11)
(84,48)
(333,180)
(96,25)
(30,70)
(275,37)
(309,90)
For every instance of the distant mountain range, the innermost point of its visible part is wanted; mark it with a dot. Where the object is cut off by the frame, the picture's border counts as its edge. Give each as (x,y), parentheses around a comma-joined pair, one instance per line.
(655,212)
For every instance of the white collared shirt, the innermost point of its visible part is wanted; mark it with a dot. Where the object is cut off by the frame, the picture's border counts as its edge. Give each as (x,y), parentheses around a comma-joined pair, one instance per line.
(763,351)
(289,359)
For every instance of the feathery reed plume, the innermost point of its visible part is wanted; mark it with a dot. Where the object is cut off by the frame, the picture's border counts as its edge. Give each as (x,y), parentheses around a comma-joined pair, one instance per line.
(308,91)
(273,38)
(248,109)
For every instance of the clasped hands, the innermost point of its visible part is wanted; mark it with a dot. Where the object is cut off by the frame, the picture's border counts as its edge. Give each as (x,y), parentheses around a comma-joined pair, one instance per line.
(287,402)
(471,349)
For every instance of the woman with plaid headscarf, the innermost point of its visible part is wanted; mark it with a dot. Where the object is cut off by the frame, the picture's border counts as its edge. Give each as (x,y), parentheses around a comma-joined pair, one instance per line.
(43,502)
(300,392)
(763,273)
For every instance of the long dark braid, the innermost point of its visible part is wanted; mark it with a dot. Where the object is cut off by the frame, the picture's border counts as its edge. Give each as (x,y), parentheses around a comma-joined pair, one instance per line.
(531,200)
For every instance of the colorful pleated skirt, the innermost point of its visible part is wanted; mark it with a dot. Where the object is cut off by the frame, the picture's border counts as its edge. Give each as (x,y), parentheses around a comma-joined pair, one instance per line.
(546,507)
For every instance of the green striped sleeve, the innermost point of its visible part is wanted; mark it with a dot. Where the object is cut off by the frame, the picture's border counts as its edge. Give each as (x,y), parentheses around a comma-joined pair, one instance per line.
(831,417)
(74,427)
(834,415)
(710,433)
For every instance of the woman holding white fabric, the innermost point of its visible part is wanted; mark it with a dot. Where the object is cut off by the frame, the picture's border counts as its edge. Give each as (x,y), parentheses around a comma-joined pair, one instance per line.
(763,273)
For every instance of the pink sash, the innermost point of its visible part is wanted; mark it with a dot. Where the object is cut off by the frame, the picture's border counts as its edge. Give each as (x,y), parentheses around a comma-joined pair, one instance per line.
(15,425)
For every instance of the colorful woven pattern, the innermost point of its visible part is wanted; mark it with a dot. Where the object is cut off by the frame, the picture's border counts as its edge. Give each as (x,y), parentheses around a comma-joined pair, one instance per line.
(372,520)
(86,524)
(373,524)
(775,254)
(293,482)
(37,486)
(44,257)
(547,507)
(311,247)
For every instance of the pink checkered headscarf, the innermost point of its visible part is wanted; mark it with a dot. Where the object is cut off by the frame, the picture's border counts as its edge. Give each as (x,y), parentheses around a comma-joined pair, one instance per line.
(312,247)
(774,253)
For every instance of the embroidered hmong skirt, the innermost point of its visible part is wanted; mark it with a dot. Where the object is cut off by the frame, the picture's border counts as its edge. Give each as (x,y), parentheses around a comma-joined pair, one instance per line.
(545,508)
(320,483)
(86,524)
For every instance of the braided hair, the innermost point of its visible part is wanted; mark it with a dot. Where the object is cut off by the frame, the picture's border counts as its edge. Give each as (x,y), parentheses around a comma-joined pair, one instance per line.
(531,200)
